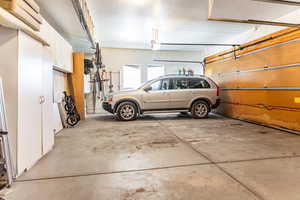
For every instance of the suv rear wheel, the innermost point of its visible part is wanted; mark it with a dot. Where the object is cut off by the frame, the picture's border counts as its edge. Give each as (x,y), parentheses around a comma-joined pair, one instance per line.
(200,109)
(127,111)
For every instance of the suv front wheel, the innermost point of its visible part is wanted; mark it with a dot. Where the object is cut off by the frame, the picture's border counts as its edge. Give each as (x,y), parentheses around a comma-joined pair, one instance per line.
(200,109)
(127,111)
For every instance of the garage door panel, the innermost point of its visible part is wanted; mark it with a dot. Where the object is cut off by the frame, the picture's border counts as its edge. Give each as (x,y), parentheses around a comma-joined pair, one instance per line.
(224,67)
(285,118)
(231,96)
(253,97)
(284,99)
(276,118)
(283,55)
(253,113)
(276,56)
(252,79)
(228,109)
(261,101)
(252,62)
(228,81)
(285,77)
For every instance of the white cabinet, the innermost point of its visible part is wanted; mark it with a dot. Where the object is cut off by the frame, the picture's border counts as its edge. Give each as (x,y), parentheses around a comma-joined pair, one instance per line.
(26,70)
(29,148)
(47,108)
(61,50)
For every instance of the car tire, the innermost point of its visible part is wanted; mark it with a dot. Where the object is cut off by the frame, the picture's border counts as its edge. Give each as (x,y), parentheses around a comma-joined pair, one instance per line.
(200,109)
(127,111)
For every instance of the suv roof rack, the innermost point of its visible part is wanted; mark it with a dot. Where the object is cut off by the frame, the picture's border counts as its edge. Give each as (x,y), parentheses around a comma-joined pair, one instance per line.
(184,75)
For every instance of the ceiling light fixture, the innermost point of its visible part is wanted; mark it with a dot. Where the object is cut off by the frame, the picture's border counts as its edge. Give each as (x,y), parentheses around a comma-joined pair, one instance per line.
(155,44)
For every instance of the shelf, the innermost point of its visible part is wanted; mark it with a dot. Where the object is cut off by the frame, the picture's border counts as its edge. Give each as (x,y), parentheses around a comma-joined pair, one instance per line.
(10,21)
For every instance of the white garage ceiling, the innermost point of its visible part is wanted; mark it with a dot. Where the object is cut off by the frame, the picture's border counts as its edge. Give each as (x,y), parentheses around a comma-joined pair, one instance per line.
(129,23)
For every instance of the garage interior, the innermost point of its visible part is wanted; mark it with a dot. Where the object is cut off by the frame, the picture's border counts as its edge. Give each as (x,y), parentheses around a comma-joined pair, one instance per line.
(62,148)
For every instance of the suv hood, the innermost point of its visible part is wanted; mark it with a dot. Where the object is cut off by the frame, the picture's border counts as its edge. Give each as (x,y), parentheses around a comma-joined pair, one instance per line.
(123,92)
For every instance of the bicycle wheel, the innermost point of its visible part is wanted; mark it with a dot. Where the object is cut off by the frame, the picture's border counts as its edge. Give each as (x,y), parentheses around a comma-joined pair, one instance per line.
(72,120)
(69,107)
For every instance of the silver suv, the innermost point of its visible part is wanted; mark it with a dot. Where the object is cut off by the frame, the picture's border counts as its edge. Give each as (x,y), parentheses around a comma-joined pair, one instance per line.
(171,93)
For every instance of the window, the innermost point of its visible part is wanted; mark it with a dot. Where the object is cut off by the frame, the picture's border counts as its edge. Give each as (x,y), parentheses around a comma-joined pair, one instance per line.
(165,84)
(155,86)
(160,85)
(198,83)
(131,76)
(180,83)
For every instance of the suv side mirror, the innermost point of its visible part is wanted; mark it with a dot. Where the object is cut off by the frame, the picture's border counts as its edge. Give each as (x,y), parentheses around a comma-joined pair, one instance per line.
(147,89)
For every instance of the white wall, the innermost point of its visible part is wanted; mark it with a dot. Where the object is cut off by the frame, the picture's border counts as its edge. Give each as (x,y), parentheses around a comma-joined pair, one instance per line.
(115,59)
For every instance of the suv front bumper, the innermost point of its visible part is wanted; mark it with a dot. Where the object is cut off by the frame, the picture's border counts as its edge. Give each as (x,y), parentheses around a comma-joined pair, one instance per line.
(108,107)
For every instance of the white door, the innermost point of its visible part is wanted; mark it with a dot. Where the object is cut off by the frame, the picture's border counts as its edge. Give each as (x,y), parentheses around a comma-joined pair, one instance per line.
(47,106)
(131,77)
(29,139)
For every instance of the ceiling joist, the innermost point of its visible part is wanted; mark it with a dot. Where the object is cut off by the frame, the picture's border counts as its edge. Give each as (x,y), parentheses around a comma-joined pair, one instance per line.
(290,3)
(259,22)
(197,44)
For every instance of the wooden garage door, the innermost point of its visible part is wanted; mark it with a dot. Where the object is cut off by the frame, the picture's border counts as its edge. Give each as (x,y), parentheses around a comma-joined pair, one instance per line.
(263,83)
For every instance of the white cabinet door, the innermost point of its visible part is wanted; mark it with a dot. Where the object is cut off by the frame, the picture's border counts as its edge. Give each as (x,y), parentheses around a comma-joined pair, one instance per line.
(68,57)
(29,139)
(48,33)
(47,106)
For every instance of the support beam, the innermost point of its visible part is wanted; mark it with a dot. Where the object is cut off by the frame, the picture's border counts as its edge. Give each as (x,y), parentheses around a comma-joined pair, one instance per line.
(290,3)
(77,80)
(251,21)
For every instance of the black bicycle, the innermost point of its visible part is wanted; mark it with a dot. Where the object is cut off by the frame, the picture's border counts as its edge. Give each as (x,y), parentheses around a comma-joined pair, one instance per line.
(72,115)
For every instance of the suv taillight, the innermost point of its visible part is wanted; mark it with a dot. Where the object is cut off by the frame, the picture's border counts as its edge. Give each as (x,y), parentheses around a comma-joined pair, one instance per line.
(218,91)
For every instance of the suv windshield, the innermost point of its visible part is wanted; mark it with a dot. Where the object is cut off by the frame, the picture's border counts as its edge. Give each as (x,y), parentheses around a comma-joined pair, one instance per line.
(145,83)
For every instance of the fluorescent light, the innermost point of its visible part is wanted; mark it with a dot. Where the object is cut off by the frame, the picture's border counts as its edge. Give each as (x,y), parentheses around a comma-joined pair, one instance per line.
(155,45)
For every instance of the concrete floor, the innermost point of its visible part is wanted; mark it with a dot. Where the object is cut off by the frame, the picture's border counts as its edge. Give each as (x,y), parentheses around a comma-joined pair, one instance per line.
(166,157)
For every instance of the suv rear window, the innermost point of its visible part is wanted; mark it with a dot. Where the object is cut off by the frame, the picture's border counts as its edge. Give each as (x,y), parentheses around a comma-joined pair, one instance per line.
(189,83)
(198,83)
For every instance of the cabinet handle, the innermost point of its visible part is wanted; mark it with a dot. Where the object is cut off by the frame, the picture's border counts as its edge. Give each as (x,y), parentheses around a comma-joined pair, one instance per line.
(42,99)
